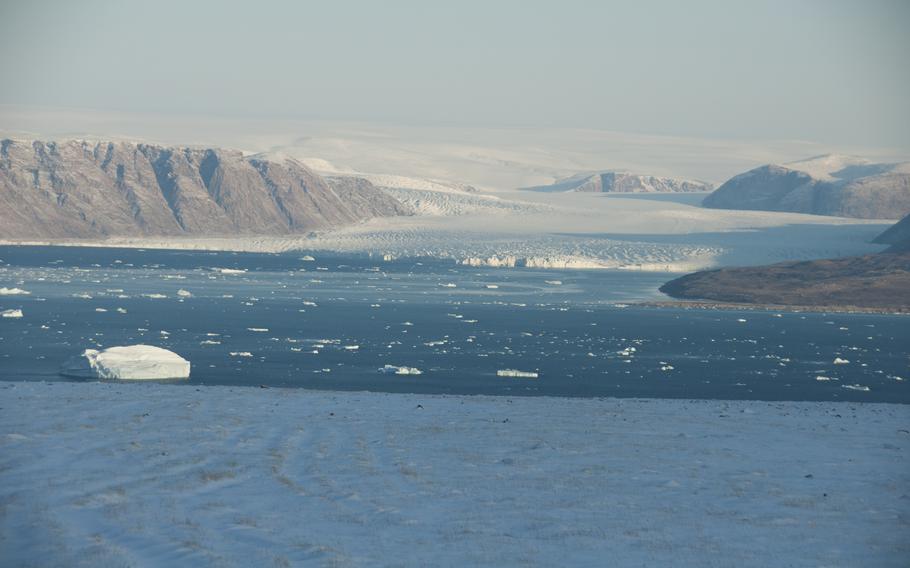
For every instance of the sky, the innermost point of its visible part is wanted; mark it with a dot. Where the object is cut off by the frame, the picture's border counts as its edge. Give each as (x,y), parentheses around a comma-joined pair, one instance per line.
(828,71)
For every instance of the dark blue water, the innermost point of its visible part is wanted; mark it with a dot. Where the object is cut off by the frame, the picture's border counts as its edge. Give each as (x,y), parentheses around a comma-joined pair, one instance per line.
(332,322)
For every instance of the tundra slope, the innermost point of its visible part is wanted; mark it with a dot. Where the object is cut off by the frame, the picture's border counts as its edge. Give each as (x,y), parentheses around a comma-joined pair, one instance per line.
(82,189)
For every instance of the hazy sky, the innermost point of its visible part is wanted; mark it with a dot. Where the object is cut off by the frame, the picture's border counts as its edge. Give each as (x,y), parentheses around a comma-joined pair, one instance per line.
(829,71)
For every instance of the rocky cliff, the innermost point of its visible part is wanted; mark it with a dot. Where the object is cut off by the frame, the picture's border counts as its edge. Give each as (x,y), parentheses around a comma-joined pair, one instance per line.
(81,189)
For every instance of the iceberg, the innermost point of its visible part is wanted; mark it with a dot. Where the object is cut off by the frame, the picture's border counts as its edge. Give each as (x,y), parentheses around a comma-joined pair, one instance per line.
(13,292)
(393,370)
(11,313)
(131,362)
(516,373)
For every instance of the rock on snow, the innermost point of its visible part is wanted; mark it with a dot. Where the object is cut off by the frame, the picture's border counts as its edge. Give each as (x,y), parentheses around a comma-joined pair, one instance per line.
(129,362)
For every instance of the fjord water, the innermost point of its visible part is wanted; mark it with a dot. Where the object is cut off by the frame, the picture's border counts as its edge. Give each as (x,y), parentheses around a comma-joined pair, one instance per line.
(331,322)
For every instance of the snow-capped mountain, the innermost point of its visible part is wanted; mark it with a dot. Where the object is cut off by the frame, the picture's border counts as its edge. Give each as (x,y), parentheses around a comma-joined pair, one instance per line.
(78,188)
(623,182)
(843,186)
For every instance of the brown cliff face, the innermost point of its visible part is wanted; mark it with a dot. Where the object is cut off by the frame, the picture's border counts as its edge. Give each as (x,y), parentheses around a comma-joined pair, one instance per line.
(78,189)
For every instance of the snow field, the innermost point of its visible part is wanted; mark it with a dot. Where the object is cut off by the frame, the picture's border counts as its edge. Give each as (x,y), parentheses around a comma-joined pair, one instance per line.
(146,474)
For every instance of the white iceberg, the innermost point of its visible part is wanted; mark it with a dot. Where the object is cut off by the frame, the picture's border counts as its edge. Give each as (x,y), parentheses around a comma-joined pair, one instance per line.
(127,362)
(839,361)
(516,373)
(393,370)
(11,313)
(13,292)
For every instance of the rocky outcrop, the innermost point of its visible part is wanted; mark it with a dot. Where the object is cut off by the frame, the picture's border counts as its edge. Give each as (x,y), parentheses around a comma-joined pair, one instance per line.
(897,235)
(81,189)
(623,182)
(880,281)
(826,185)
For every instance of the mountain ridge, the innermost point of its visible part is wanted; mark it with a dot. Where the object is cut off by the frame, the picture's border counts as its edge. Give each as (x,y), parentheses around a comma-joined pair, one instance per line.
(831,184)
(620,181)
(83,189)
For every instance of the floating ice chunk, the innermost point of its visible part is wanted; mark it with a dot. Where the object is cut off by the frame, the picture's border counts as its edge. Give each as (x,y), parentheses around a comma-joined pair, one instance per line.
(823,378)
(84,296)
(209,342)
(516,373)
(11,313)
(309,303)
(307,258)
(393,370)
(862,388)
(229,270)
(127,362)
(351,347)
(257,329)
(121,310)
(240,354)
(13,292)
(667,367)
(627,352)
(184,293)
(741,320)
(492,286)
(553,282)
(155,296)
(449,285)
(839,361)
(100,310)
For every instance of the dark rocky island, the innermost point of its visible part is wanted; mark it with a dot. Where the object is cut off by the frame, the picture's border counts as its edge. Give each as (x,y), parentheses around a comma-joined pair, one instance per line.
(877,282)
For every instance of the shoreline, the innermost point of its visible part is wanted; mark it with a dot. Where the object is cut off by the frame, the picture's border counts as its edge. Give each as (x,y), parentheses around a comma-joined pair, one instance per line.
(711,305)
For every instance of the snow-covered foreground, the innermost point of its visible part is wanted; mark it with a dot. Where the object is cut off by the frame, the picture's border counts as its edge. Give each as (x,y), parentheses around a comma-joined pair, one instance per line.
(99,474)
